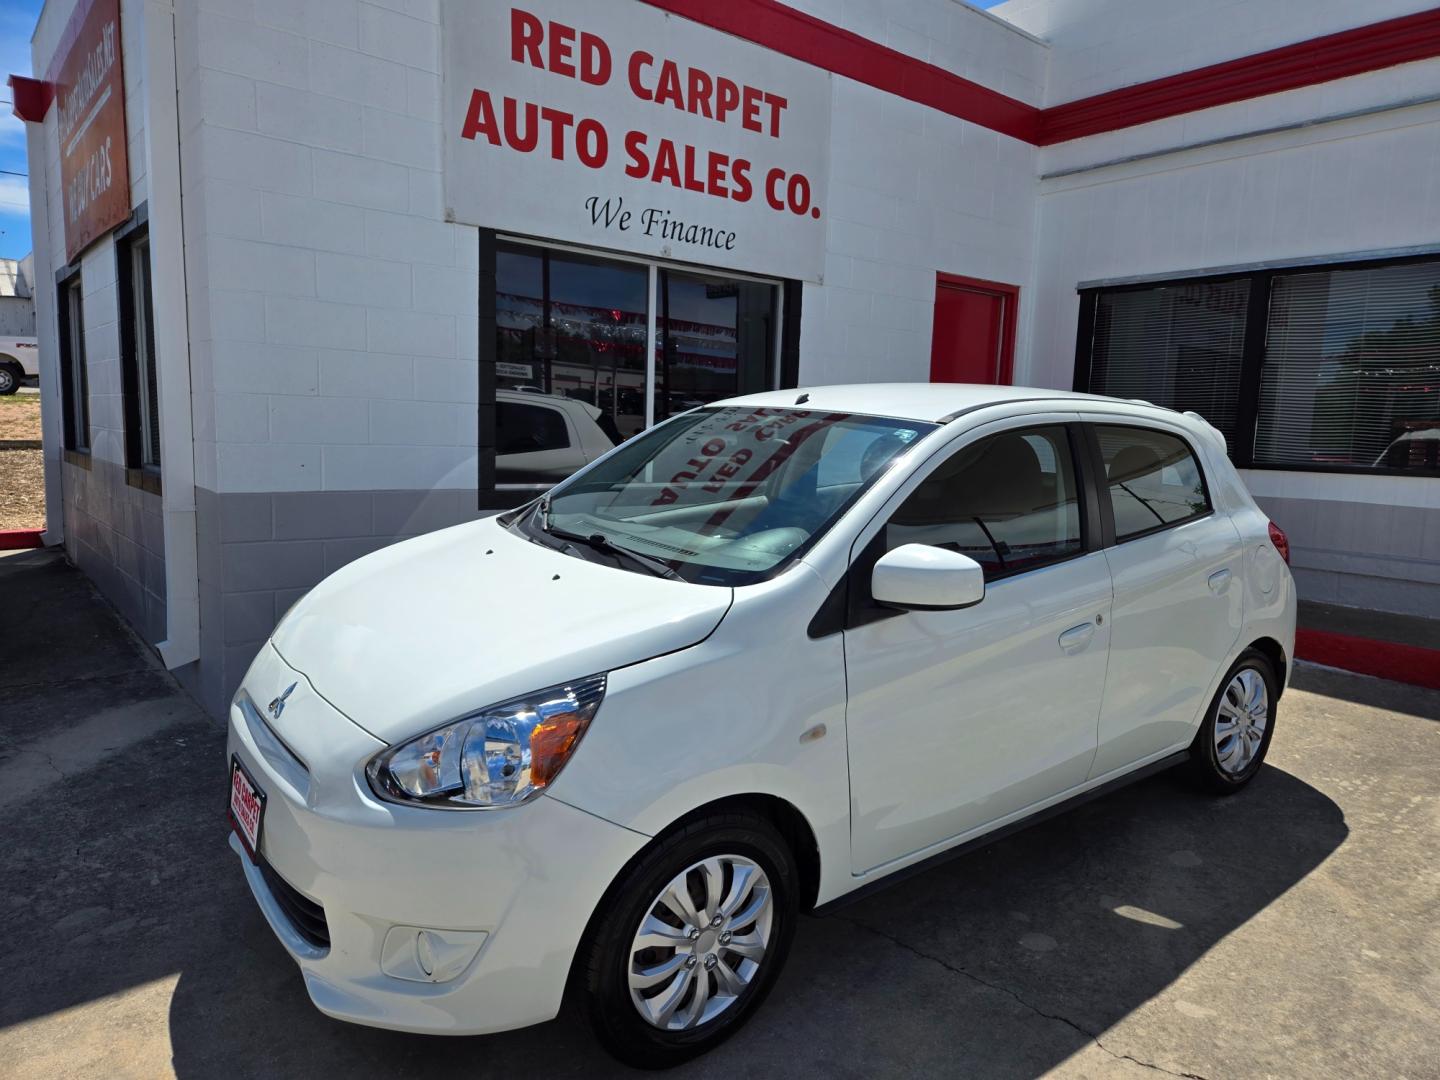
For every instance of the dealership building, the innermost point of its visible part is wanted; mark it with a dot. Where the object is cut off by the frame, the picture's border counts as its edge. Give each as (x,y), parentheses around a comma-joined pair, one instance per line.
(315,277)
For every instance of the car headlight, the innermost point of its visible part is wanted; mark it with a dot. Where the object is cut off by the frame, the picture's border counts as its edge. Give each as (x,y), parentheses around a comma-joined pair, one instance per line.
(500,756)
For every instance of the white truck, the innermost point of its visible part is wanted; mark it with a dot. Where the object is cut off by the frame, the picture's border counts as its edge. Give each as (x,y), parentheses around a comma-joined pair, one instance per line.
(19,360)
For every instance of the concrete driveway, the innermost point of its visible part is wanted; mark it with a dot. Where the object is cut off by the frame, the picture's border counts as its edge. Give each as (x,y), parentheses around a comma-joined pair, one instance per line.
(1288,932)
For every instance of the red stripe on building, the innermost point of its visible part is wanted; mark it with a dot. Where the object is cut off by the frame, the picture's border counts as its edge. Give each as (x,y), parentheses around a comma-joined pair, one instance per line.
(1383,659)
(1305,63)
(20,539)
(803,37)
(782,29)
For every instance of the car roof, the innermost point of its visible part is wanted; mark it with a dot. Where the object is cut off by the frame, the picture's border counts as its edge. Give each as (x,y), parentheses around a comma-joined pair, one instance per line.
(930,402)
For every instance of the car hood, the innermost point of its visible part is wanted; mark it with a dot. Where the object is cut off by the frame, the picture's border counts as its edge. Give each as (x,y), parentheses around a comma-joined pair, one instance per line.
(425,631)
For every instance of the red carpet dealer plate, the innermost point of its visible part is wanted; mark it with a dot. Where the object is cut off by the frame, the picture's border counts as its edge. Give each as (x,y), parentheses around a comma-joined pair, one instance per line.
(247,807)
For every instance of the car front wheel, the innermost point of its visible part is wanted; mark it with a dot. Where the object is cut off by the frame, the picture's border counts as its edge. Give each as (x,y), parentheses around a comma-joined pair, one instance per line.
(1231,744)
(690,940)
(9,379)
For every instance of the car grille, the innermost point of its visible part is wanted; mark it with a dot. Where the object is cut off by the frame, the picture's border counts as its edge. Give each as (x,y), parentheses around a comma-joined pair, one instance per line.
(306,916)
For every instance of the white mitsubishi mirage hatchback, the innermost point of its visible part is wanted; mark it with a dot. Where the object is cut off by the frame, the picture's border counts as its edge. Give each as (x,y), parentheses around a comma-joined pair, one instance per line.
(617,740)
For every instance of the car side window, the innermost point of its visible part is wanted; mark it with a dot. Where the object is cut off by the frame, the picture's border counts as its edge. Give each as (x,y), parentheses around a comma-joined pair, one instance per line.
(1153,478)
(528,429)
(1011,502)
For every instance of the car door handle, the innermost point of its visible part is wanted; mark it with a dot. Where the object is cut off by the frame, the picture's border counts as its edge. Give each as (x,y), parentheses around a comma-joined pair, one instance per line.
(1219,581)
(1077,637)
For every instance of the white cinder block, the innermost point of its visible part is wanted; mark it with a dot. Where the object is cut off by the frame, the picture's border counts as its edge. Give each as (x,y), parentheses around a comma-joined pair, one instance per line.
(321,420)
(314,119)
(294,321)
(448,291)
(407,140)
(361,279)
(354,76)
(247,367)
(255,160)
(243,48)
(236,316)
(411,332)
(359,181)
(388,34)
(346,373)
(438,379)
(335,21)
(272,268)
(415,239)
(422,423)
(371,468)
(270,467)
(312,223)
(242,418)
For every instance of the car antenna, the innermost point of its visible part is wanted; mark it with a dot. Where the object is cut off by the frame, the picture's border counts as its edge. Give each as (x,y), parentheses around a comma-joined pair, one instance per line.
(802,399)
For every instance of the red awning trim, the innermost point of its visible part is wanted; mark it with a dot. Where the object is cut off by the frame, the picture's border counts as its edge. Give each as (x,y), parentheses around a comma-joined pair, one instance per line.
(31,97)
(792,33)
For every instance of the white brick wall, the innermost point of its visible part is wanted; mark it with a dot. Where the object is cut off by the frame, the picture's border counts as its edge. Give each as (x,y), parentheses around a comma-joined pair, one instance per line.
(1099,45)
(1359,185)
(313,204)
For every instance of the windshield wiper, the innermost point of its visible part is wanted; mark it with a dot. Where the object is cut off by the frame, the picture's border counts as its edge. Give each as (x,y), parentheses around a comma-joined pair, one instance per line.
(600,542)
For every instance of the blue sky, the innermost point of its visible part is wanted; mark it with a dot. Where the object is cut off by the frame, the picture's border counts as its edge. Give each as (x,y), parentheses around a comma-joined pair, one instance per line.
(17,21)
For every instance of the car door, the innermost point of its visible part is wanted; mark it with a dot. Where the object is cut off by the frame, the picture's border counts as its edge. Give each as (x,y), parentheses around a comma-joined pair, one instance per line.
(1175,563)
(959,718)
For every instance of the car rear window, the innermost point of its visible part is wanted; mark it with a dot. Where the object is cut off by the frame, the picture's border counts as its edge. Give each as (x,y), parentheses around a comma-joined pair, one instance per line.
(1153,479)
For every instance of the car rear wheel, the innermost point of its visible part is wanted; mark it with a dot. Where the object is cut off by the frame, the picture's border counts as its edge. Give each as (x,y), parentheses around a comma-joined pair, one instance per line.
(1231,744)
(690,940)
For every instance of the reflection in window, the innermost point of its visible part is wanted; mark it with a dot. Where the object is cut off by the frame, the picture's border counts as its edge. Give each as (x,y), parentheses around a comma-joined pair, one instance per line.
(1177,345)
(1352,369)
(1010,502)
(717,340)
(74,371)
(1154,479)
(572,326)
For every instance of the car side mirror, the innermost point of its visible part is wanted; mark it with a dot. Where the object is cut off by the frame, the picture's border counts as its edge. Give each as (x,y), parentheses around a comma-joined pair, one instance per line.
(925,578)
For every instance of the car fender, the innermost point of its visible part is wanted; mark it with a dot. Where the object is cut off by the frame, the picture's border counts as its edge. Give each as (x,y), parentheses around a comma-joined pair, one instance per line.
(758,708)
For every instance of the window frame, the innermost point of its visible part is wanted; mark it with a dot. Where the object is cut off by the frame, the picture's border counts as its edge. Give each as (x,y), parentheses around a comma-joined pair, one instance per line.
(73,362)
(138,472)
(1261,279)
(493,495)
(1101,485)
(851,605)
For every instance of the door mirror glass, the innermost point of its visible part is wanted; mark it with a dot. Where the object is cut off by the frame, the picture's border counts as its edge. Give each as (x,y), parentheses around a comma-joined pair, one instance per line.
(927,578)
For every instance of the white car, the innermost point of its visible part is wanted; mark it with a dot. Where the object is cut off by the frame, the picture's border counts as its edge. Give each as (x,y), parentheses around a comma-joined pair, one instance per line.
(750,663)
(543,438)
(19,360)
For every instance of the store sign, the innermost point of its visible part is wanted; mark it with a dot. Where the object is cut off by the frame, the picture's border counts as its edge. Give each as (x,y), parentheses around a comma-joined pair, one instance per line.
(618,125)
(90,92)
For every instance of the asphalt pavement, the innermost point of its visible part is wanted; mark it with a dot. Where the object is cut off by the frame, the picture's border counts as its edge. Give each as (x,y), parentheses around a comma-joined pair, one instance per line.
(1289,931)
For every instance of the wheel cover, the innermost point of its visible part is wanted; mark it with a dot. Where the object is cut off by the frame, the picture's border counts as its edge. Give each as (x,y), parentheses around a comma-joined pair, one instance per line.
(1240,721)
(701,942)
(7,379)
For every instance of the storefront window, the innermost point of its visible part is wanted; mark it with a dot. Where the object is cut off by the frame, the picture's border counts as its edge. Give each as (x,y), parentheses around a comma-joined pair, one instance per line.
(716,338)
(572,333)
(1352,369)
(1174,345)
(1333,368)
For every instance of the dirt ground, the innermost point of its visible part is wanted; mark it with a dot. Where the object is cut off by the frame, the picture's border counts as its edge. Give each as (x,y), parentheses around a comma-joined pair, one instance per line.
(22,474)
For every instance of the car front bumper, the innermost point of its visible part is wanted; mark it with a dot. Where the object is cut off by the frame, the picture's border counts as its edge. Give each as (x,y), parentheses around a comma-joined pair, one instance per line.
(500,897)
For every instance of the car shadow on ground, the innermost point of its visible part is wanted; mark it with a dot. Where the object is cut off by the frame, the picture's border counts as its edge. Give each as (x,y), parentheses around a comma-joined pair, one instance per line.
(1080,919)
(1003,963)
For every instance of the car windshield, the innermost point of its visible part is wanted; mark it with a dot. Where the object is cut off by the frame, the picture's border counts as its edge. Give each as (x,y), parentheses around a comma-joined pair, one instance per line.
(722,496)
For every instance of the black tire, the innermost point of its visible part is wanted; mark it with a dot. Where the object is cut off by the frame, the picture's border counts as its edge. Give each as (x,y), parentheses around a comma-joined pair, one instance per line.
(1204,766)
(603,961)
(10,377)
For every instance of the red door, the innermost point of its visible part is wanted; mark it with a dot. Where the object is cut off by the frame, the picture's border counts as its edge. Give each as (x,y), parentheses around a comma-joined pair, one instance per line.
(974,338)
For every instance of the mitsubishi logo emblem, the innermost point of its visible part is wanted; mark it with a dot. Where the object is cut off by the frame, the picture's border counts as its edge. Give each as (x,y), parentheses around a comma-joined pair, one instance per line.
(276,707)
